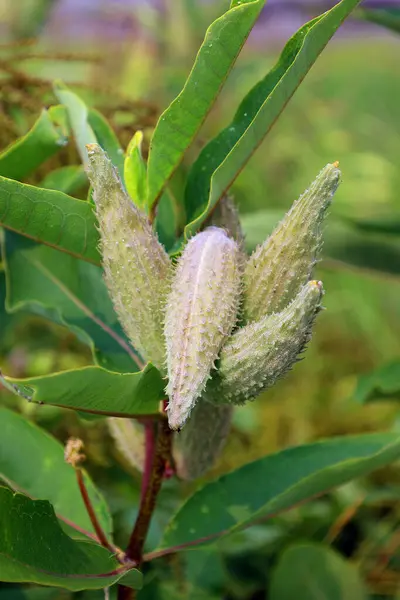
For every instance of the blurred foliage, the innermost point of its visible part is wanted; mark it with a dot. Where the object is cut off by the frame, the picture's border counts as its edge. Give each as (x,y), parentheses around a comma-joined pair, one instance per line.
(347,110)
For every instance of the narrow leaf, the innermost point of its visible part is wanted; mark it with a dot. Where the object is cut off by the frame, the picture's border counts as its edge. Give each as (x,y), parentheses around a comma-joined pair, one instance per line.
(387,17)
(32,462)
(135,171)
(267,486)
(107,139)
(40,143)
(381,384)
(34,549)
(224,157)
(95,390)
(181,121)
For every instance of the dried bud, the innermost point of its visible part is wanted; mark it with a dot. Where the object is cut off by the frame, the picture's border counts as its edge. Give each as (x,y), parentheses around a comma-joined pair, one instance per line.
(73,452)
(200,315)
(226,216)
(136,266)
(278,269)
(129,440)
(199,444)
(260,353)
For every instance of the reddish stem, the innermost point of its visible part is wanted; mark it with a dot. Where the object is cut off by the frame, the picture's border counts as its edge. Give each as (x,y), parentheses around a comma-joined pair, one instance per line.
(149,455)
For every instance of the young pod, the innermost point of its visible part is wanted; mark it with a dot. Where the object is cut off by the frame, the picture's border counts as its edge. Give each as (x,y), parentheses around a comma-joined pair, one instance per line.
(277,270)
(129,439)
(258,354)
(201,313)
(196,448)
(136,266)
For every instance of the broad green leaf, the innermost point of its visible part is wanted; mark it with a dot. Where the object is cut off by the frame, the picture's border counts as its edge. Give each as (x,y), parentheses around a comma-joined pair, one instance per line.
(50,217)
(383,384)
(181,121)
(275,483)
(387,17)
(107,139)
(78,116)
(40,143)
(315,572)
(70,292)
(69,179)
(224,157)
(342,242)
(32,462)
(34,549)
(95,390)
(135,171)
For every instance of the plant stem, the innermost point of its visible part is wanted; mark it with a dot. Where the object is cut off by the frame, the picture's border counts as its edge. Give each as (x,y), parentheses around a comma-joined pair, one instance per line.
(91,512)
(157,454)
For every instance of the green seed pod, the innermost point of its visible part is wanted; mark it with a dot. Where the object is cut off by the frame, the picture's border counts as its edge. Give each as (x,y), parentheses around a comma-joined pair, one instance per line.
(136,266)
(226,216)
(198,445)
(129,440)
(201,313)
(258,354)
(278,269)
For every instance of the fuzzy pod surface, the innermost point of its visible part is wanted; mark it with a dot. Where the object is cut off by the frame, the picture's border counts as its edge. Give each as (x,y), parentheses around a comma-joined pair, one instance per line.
(260,353)
(277,270)
(136,266)
(197,447)
(129,439)
(200,315)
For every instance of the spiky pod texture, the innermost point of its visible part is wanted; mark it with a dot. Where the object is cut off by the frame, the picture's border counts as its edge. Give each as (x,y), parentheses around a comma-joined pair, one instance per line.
(136,266)
(226,216)
(129,440)
(201,313)
(258,354)
(277,270)
(198,445)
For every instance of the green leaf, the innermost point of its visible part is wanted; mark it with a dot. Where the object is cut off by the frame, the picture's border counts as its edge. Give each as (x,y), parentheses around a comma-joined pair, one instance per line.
(107,139)
(342,242)
(78,117)
(70,292)
(383,384)
(32,462)
(34,549)
(313,571)
(135,171)
(387,17)
(50,217)
(275,483)
(224,157)
(69,179)
(181,121)
(95,390)
(40,143)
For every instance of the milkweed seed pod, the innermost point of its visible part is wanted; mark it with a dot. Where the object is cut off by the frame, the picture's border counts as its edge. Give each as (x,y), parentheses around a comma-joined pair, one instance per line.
(136,266)
(226,216)
(198,445)
(201,313)
(277,270)
(129,439)
(258,354)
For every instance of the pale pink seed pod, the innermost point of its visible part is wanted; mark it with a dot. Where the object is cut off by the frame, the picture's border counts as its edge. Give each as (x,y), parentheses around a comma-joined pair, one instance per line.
(137,268)
(201,313)
(278,269)
(257,355)
(197,447)
(129,438)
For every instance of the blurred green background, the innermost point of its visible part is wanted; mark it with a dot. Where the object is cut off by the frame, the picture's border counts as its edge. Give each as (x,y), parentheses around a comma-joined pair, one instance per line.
(347,109)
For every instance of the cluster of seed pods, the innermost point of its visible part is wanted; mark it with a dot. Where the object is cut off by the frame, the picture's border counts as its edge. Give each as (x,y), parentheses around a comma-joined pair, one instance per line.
(219,326)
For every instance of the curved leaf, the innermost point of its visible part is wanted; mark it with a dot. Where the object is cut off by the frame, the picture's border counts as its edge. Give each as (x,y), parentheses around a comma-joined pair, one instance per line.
(50,217)
(40,143)
(69,179)
(225,156)
(181,121)
(95,390)
(387,17)
(381,384)
(314,571)
(267,486)
(107,139)
(32,462)
(34,549)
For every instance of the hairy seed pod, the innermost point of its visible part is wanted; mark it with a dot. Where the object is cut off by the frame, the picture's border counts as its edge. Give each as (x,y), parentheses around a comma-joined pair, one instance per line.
(226,216)
(277,270)
(258,354)
(136,266)
(201,313)
(129,439)
(198,445)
